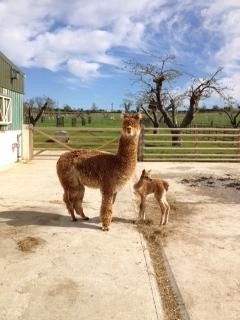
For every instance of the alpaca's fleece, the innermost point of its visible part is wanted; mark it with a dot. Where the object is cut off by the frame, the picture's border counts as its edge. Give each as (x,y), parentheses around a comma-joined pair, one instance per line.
(96,169)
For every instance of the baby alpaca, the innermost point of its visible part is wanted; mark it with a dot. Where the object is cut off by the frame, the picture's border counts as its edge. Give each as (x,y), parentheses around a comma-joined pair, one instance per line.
(145,186)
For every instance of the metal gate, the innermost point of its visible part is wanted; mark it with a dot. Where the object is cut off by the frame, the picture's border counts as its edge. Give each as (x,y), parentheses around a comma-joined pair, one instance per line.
(60,139)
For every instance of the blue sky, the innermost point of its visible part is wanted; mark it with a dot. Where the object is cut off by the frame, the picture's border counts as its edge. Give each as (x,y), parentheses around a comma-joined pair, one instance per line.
(73,51)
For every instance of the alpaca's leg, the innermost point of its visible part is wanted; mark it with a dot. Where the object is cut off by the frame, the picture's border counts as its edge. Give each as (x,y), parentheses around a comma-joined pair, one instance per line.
(78,202)
(142,208)
(114,197)
(68,198)
(106,210)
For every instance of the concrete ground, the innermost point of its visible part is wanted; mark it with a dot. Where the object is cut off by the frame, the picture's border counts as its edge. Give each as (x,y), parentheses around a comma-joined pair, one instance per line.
(202,239)
(52,268)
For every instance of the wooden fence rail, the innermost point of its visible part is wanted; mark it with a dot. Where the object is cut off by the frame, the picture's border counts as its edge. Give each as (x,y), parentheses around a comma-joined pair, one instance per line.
(190,144)
(156,144)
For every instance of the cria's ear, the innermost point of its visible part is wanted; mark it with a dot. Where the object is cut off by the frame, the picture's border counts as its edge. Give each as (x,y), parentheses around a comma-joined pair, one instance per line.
(138,116)
(143,171)
(124,115)
(149,171)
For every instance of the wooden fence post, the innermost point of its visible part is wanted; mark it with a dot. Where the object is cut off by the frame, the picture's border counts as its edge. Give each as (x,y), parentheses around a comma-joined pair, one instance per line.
(140,153)
(238,143)
(27,142)
(195,144)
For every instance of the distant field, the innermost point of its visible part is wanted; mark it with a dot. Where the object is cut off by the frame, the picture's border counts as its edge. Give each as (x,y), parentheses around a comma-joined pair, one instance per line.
(94,120)
(113,120)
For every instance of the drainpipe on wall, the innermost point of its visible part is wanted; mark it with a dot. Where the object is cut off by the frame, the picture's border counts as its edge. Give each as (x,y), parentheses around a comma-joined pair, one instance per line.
(19,153)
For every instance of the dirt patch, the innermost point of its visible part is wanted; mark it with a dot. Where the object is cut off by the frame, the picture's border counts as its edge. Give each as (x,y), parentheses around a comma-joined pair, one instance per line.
(28,244)
(178,210)
(227,181)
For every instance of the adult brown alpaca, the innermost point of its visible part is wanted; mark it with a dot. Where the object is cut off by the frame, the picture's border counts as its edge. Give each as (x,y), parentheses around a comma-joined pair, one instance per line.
(145,186)
(96,169)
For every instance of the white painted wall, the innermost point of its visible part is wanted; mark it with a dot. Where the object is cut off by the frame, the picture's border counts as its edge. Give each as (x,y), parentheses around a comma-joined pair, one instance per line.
(8,153)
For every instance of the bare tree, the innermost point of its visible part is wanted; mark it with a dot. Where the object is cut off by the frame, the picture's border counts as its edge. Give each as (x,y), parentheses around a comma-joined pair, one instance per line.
(199,90)
(35,107)
(127,105)
(232,110)
(161,102)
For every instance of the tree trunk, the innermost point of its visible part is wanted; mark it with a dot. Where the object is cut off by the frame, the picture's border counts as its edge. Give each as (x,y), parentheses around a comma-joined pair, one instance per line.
(176,140)
(155,125)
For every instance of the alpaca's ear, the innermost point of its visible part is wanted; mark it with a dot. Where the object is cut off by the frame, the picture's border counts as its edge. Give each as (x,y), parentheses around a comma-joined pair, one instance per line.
(124,115)
(144,171)
(138,116)
(149,171)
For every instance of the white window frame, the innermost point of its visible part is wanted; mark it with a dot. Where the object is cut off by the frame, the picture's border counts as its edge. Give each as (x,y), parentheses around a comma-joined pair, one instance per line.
(5,110)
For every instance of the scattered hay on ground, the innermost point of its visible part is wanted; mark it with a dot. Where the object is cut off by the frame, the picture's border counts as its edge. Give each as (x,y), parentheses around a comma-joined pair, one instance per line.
(155,236)
(27,244)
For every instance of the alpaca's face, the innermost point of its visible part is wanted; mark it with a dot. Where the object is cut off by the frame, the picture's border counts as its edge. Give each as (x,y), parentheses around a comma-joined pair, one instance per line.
(131,125)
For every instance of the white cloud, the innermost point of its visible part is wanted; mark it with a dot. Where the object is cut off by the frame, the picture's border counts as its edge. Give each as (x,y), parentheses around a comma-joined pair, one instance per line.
(222,19)
(233,84)
(52,35)
(82,69)
(80,36)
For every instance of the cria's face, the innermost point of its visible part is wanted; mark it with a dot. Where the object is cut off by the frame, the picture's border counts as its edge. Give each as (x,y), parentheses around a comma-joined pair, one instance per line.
(146,175)
(131,126)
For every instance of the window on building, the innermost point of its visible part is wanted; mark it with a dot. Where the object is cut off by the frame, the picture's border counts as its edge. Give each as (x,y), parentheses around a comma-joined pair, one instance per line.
(5,110)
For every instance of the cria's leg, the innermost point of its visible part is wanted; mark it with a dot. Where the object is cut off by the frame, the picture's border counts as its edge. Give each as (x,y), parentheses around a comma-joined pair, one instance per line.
(142,208)
(163,215)
(106,210)
(163,209)
(78,202)
(167,206)
(68,198)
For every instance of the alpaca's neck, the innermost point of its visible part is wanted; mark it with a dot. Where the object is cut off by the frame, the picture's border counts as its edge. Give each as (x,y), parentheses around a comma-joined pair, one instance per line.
(127,148)
(139,184)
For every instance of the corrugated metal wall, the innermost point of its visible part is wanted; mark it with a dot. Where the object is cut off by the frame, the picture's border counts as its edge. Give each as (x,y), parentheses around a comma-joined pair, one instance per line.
(6,72)
(12,88)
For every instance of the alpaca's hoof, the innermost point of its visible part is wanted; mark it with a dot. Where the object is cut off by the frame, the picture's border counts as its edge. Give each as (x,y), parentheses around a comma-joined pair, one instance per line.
(74,219)
(139,221)
(85,218)
(105,228)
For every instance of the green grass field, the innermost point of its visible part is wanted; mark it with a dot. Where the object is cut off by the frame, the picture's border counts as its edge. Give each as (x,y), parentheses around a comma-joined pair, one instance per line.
(94,120)
(113,120)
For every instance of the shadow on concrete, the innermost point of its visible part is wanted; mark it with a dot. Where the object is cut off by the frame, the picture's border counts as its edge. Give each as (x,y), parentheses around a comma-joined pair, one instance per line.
(123,220)
(26,218)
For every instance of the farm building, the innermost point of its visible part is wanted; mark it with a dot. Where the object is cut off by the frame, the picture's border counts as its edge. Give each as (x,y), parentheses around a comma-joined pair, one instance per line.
(11,111)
